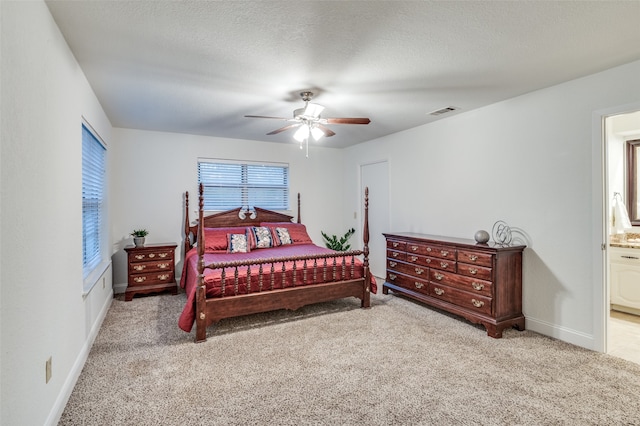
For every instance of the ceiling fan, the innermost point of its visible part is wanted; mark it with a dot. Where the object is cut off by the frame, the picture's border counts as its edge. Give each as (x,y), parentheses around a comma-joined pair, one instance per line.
(309,122)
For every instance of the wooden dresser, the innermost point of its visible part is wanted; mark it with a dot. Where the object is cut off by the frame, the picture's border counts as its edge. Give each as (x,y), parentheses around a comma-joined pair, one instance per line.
(151,269)
(480,282)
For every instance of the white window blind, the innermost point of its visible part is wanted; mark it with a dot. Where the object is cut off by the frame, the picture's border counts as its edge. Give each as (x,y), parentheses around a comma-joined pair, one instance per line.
(93,183)
(228,184)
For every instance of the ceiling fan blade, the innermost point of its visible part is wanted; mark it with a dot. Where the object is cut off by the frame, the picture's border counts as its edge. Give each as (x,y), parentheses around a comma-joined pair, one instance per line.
(327,131)
(347,120)
(266,116)
(282,129)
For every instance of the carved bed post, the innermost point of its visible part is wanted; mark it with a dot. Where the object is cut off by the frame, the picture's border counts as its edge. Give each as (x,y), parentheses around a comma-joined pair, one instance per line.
(366,301)
(299,221)
(201,291)
(186,243)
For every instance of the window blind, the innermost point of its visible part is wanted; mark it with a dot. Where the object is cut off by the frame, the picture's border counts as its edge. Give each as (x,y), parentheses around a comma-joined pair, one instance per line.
(93,182)
(228,185)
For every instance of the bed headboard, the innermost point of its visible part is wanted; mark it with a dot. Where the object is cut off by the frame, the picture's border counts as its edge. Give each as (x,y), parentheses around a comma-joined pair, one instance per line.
(230,218)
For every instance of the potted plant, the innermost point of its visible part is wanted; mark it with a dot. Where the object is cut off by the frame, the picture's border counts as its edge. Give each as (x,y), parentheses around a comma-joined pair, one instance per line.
(138,236)
(338,244)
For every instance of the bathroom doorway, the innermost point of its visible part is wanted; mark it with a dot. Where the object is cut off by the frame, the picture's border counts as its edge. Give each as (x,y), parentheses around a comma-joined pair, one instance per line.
(622,298)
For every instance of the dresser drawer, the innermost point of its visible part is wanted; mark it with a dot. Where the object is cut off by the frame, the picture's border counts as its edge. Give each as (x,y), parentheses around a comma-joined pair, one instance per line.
(397,255)
(475,258)
(145,256)
(142,267)
(147,278)
(472,285)
(419,271)
(431,251)
(396,245)
(474,302)
(409,282)
(479,272)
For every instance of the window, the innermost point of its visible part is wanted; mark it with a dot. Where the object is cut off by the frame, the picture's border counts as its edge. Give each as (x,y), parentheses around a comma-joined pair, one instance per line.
(229,184)
(93,184)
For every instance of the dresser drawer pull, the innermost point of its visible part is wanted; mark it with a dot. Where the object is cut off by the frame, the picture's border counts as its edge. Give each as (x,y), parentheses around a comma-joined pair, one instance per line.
(396,244)
(477,286)
(163,276)
(414,248)
(438,291)
(419,271)
(163,255)
(151,255)
(428,260)
(629,257)
(395,254)
(473,271)
(139,256)
(139,267)
(444,252)
(413,258)
(418,285)
(473,257)
(393,277)
(163,265)
(438,276)
(444,264)
(139,279)
(477,303)
(392,263)
(429,249)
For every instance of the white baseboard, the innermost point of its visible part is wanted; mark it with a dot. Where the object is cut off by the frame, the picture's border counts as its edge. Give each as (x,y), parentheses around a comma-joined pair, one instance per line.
(65,393)
(568,335)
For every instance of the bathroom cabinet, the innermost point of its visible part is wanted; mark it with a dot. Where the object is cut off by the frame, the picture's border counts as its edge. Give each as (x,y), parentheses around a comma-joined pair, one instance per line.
(625,279)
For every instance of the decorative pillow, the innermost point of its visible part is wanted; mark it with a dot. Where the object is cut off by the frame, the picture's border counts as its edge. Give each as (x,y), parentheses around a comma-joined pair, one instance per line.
(297,231)
(261,236)
(281,236)
(215,239)
(238,243)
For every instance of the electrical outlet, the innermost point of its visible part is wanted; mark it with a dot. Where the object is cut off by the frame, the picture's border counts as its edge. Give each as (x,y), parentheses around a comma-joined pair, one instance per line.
(48,370)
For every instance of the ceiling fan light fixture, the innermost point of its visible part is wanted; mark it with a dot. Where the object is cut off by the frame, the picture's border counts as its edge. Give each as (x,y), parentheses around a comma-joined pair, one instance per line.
(317,133)
(313,110)
(302,133)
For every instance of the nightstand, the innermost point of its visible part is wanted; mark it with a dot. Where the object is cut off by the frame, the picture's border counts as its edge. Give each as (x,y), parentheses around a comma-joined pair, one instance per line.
(150,269)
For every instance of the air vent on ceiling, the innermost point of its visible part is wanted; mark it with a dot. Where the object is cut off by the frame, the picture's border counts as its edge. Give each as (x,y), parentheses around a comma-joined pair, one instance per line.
(443,111)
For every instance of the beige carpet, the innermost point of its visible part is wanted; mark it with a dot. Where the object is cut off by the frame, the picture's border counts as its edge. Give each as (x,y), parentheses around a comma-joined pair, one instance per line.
(335,364)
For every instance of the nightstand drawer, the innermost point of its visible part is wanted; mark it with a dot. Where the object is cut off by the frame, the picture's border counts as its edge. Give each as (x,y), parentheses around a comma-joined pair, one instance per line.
(143,267)
(151,278)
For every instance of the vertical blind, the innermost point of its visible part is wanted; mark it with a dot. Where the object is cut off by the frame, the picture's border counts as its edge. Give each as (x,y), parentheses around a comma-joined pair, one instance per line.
(228,185)
(93,182)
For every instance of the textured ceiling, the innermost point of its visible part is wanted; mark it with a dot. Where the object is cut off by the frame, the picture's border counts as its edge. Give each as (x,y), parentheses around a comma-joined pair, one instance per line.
(199,66)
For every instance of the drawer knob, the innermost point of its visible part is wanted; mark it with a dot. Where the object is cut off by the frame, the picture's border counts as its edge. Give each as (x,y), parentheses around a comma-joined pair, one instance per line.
(438,276)
(473,271)
(151,255)
(419,271)
(392,263)
(395,254)
(477,286)
(473,257)
(163,276)
(139,267)
(396,244)
(163,255)
(414,248)
(418,285)
(477,303)
(393,277)
(163,265)
(428,260)
(139,256)
(429,249)
(444,265)
(438,291)
(413,258)
(444,252)
(139,279)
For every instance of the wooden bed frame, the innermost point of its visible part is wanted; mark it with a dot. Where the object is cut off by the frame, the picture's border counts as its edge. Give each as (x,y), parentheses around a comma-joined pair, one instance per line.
(339,285)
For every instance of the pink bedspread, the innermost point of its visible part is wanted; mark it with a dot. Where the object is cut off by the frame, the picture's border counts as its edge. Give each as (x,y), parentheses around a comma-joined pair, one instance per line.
(189,279)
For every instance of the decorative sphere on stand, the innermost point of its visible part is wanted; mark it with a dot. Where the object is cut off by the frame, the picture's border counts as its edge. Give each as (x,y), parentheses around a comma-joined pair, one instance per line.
(481,236)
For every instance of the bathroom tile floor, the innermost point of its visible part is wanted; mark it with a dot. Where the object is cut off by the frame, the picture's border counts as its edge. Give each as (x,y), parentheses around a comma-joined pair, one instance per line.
(624,336)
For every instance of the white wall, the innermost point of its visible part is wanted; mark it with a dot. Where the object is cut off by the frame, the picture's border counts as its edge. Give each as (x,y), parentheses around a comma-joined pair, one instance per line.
(152,170)
(43,310)
(527,161)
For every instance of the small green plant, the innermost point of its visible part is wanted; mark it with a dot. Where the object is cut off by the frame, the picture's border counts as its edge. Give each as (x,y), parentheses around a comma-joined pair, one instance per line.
(139,233)
(338,244)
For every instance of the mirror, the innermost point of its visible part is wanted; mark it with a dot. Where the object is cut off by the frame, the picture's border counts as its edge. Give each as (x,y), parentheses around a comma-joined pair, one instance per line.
(633,190)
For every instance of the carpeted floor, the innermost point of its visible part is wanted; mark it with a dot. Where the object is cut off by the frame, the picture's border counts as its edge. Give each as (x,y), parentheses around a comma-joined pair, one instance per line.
(336,364)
